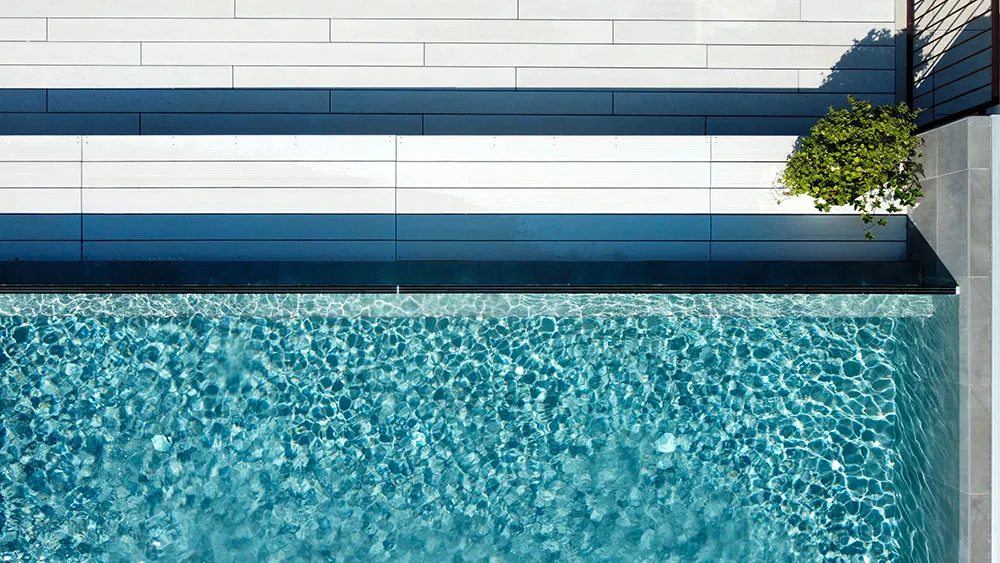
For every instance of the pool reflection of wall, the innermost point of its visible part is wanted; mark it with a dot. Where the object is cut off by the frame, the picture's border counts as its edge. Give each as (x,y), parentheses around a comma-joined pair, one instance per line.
(927,472)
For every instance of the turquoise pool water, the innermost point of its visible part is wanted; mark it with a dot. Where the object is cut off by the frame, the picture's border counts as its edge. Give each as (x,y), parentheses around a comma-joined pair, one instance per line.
(482,427)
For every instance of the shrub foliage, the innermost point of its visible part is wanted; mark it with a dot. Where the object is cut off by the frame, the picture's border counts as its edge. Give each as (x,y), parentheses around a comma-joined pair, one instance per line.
(860,156)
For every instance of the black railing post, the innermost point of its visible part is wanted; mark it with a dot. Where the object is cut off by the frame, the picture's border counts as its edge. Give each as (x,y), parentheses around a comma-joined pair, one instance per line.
(909,53)
(995,25)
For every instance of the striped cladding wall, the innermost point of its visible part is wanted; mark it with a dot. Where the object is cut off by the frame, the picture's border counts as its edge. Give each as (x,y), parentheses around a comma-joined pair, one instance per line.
(385,198)
(438,67)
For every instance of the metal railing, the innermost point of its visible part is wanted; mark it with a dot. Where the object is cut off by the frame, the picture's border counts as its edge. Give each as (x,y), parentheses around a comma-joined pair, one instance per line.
(953,54)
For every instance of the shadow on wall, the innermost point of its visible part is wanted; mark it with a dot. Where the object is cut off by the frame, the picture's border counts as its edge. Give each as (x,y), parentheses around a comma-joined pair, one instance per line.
(865,70)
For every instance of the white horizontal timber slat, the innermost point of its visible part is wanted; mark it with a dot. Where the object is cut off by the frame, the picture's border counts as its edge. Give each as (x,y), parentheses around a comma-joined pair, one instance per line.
(752,149)
(39,200)
(553,174)
(848,81)
(756,200)
(746,174)
(161,29)
(567,56)
(429,9)
(116,76)
(372,77)
(848,10)
(39,174)
(237,174)
(294,54)
(552,149)
(654,78)
(662,9)
(236,200)
(117,8)
(621,200)
(22,29)
(801,57)
(78,53)
(471,31)
(237,147)
(791,33)
(40,149)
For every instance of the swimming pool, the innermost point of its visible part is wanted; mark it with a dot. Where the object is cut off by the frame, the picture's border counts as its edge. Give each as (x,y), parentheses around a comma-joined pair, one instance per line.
(474,427)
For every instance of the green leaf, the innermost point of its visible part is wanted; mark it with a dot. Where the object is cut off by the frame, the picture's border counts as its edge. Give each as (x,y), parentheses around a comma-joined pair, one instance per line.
(860,156)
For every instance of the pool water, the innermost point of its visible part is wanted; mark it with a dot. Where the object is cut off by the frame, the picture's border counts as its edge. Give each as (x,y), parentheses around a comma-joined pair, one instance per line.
(474,428)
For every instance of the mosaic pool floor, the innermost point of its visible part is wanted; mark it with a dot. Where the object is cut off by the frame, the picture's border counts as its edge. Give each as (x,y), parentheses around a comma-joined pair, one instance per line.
(135,433)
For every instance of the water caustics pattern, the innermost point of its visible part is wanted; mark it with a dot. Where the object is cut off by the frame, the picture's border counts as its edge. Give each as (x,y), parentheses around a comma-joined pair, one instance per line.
(555,428)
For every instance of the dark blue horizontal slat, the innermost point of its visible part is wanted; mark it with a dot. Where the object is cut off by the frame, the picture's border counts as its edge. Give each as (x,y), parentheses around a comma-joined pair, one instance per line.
(561,125)
(22,100)
(69,123)
(813,251)
(266,250)
(759,125)
(278,124)
(779,104)
(46,250)
(612,251)
(39,227)
(238,227)
(554,227)
(191,101)
(802,228)
(516,102)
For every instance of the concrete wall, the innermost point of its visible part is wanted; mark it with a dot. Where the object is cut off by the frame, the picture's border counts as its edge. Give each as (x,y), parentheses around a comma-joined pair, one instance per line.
(955,219)
(415,198)
(438,67)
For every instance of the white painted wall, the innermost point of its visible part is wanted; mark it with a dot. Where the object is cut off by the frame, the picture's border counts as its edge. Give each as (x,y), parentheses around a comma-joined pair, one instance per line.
(377,43)
(421,197)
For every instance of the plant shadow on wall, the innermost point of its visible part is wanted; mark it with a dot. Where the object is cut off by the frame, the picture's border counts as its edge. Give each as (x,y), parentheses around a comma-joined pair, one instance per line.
(750,107)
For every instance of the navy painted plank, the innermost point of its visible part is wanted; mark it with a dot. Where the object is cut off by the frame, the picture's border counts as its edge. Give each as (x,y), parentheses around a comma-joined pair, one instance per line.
(19,100)
(553,227)
(238,227)
(616,251)
(268,250)
(802,228)
(468,101)
(69,123)
(278,124)
(561,125)
(193,100)
(26,226)
(783,104)
(814,251)
(40,250)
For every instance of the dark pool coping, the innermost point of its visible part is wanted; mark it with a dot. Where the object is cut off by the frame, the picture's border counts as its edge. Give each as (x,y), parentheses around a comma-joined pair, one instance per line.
(473,277)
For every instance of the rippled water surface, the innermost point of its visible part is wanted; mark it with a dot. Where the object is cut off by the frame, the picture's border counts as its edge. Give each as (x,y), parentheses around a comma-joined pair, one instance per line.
(465,428)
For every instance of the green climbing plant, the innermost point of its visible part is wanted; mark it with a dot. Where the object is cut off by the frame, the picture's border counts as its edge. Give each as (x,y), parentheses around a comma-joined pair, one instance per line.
(861,156)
